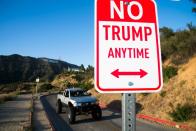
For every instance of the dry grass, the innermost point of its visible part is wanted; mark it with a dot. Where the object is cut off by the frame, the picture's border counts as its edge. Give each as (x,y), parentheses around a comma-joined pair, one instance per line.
(111,101)
(61,80)
(8,97)
(179,90)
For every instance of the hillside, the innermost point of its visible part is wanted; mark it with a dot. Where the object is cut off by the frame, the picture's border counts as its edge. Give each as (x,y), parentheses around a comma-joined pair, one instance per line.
(178,92)
(17,68)
(177,100)
(83,79)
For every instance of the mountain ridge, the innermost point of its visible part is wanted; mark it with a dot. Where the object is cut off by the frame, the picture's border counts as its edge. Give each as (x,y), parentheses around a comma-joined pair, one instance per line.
(18,68)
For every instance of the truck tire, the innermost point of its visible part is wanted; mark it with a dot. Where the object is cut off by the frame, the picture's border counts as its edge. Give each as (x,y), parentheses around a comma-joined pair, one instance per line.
(97,113)
(71,115)
(59,107)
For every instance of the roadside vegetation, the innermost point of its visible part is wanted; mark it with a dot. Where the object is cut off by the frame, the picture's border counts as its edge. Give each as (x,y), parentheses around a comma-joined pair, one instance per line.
(83,79)
(10,91)
(182,113)
(46,87)
(177,99)
(8,97)
(178,46)
(17,87)
(169,72)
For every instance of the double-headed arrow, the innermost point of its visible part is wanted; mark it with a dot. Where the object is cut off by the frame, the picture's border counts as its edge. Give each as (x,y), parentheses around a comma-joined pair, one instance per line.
(141,73)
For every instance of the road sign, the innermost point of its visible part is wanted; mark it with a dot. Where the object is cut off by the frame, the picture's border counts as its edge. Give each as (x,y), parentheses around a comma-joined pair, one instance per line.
(127,47)
(37,80)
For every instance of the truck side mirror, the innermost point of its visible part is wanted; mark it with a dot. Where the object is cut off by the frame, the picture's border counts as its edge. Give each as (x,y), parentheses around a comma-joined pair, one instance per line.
(66,94)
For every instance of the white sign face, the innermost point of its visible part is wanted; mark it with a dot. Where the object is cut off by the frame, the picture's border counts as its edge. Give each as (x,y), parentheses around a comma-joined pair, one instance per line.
(127,49)
(37,80)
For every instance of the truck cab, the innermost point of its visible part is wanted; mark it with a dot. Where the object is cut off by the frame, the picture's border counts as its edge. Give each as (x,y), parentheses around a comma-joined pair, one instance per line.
(77,102)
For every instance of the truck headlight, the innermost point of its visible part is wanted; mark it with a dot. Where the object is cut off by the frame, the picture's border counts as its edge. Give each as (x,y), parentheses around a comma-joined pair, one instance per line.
(77,104)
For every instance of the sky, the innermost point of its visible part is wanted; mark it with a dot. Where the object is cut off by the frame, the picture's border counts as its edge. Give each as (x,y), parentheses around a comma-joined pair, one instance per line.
(64,29)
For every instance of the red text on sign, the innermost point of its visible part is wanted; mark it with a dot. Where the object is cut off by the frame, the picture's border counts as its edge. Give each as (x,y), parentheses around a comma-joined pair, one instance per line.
(128,53)
(127,33)
(120,10)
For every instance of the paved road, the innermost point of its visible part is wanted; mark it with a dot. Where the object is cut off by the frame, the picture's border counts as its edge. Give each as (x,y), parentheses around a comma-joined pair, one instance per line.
(110,122)
(40,121)
(15,114)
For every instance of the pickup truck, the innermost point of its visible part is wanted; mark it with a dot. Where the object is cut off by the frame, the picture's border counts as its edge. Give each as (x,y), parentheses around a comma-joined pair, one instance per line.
(77,102)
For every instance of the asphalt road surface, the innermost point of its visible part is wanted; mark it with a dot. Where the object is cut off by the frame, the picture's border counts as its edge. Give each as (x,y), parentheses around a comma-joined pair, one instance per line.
(110,122)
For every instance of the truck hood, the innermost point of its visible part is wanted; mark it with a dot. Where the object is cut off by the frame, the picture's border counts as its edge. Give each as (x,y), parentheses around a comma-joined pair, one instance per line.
(84,99)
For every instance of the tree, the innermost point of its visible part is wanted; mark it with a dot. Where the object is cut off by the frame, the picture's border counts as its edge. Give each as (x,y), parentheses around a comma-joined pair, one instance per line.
(178,46)
(82,67)
(191,27)
(166,32)
(194,1)
(90,71)
(194,9)
(90,68)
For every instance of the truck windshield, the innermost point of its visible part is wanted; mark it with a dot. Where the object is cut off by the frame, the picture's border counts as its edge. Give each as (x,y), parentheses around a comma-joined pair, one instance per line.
(78,93)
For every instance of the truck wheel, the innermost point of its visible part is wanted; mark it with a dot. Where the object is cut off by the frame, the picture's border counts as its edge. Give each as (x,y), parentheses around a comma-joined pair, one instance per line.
(71,115)
(59,107)
(97,113)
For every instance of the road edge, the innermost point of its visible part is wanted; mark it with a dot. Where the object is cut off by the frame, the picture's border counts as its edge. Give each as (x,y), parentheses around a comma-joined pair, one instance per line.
(52,127)
(140,116)
(157,120)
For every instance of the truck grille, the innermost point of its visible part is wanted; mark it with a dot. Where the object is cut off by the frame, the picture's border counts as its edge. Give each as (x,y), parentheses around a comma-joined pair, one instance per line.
(86,104)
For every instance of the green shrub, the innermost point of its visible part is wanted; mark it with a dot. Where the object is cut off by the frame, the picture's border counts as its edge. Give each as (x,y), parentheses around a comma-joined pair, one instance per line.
(8,97)
(45,87)
(179,45)
(85,86)
(182,113)
(163,93)
(169,72)
(79,76)
(145,94)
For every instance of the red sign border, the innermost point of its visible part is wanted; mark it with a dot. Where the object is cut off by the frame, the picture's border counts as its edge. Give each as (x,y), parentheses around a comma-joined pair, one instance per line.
(110,90)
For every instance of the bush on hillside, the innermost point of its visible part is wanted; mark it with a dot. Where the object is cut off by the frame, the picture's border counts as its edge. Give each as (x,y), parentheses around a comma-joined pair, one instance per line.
(79,76)
(145,94)
(182,113)
(45,87)
(8,97)
(86,86)
(169,72)
(163,93)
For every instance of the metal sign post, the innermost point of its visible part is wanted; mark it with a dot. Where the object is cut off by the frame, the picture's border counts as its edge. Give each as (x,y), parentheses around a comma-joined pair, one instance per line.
(37,81)
(128,112)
